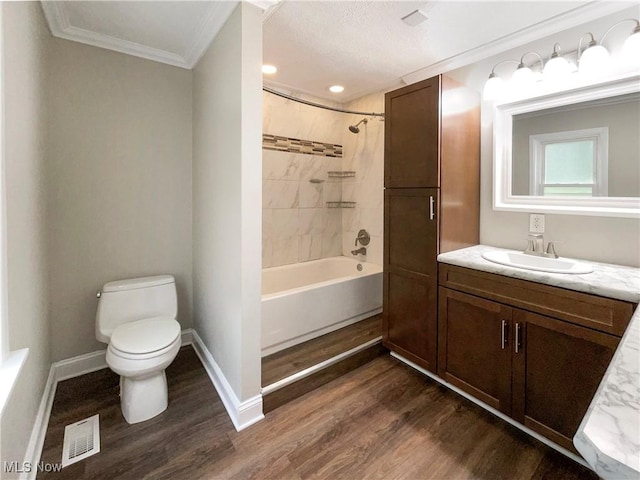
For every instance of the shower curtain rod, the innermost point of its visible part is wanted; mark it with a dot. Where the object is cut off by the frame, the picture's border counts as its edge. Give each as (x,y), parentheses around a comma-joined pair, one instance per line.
(326,107)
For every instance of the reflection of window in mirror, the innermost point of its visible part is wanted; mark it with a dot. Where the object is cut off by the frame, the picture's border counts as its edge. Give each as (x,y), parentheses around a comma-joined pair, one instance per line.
(620,115)
(570,163)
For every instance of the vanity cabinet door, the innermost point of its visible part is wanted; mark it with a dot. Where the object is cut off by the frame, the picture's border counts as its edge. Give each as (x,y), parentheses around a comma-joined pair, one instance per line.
(557,369)
(474,347)
(410,274)
(412,131)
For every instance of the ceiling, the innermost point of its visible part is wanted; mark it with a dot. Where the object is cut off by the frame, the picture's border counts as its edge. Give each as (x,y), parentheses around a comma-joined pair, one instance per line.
(362,45)
(176,33)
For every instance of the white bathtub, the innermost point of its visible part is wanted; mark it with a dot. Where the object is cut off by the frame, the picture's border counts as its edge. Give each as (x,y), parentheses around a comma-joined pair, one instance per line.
(305,300)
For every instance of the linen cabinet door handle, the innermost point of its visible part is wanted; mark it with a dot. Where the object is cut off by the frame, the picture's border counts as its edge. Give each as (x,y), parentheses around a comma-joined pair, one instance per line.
(432,213)
(517,338)
(504,334)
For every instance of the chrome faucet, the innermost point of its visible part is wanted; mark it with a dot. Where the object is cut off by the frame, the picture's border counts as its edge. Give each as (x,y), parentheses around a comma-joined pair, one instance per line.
(535,246)
(359,251)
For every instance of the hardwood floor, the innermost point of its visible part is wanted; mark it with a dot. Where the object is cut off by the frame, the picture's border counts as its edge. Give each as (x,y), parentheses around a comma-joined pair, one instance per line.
(275,399)
(299,357)
(383,420)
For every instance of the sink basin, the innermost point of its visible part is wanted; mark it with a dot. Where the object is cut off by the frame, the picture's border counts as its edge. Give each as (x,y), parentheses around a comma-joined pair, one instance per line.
(540,264)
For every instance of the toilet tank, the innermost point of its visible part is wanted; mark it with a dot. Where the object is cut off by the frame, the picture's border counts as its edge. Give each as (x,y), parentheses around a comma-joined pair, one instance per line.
(133,299)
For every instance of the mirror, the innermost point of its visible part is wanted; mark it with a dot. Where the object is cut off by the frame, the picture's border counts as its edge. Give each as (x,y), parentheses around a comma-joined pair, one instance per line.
(574,152)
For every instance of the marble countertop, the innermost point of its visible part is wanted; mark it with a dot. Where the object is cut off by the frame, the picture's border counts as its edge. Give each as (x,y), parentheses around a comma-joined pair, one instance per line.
(609,435)
(606,280)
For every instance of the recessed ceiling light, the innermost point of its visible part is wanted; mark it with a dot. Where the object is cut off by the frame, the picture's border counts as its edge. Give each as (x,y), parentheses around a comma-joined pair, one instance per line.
(414,18)
(269,69)
(336,88)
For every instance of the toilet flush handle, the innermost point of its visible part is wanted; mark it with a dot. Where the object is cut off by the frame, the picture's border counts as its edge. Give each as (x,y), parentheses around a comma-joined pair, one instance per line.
(98,295)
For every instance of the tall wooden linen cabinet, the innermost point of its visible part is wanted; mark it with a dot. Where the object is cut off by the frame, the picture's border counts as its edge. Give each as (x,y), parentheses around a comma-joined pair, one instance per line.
(431,204)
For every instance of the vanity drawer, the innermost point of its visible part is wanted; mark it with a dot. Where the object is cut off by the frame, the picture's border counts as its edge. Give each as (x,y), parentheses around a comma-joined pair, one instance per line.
(600,313)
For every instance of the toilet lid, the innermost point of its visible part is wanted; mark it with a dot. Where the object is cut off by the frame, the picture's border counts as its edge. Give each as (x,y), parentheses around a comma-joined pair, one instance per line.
(145,336)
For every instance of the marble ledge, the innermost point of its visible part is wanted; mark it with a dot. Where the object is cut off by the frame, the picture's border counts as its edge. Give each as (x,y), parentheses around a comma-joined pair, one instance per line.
(609,436)
(607,280)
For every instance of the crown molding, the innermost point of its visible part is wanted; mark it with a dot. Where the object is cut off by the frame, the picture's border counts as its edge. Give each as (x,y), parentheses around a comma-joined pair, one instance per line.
(585,13)
(342,101)
(212,23)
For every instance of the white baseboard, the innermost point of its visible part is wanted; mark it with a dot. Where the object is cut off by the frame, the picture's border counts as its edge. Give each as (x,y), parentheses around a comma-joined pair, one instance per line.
(39,431)
(242,414)
(497,413)
(64,370)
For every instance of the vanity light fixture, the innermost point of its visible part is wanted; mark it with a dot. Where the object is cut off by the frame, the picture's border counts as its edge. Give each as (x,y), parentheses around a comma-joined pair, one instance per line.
(269,69)
(524,76)
(631,46)
(495,85)
(595,58)
(336,89)
(557,67)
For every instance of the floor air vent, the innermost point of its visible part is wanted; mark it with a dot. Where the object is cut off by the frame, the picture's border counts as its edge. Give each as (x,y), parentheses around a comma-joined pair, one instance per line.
(81,440)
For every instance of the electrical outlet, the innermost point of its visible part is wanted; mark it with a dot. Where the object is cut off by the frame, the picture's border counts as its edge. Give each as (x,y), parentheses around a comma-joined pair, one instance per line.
(536,223)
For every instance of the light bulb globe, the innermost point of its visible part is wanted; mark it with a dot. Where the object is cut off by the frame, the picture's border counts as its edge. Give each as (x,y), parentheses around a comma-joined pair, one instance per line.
(594,61)
(493,88)
(555,69)
(631,49)
(522,77)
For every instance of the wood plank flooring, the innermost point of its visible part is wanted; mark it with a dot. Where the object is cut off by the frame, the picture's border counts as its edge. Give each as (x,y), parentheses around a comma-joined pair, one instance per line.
(381,421)
(299,357)
(276,399)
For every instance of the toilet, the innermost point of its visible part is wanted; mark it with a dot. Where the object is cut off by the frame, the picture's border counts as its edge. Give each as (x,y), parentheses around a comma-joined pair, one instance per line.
(137,318)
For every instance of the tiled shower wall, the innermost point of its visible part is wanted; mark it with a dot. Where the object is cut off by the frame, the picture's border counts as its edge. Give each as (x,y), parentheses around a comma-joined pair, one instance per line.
(296,225)
(364,154)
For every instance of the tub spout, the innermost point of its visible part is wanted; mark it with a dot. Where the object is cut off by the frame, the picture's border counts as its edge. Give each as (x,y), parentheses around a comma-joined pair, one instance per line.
(359,251)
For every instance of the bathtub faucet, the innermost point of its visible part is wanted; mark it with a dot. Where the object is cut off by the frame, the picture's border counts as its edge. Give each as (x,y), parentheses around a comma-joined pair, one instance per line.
(363,237)
(359,251)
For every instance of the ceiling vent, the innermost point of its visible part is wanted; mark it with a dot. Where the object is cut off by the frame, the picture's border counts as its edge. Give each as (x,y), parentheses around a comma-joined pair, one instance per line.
(81,440)
(414,18)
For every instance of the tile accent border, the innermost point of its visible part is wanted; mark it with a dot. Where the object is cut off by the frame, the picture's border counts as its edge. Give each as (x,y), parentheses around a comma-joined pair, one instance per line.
(295,145)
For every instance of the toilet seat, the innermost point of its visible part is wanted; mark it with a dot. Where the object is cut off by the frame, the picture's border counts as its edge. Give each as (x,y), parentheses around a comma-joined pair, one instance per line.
(146,338)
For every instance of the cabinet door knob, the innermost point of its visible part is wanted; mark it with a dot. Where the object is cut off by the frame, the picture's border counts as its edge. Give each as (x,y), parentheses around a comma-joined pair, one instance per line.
(517,337)
(432,212)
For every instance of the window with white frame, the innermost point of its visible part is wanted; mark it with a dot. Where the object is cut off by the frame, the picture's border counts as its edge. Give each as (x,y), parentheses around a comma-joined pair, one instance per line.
(571,163)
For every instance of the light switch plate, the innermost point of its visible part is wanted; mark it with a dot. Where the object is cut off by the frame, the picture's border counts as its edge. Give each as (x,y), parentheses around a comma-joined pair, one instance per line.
(536,223)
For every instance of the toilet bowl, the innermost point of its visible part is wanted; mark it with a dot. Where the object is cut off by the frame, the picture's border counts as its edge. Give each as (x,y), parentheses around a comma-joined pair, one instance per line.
(136,317)
(139,352)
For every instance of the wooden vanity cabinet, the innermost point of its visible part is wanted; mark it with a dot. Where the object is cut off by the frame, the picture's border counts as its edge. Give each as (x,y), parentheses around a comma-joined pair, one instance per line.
(539,369)
(431,205)
(474,347)
(556,372)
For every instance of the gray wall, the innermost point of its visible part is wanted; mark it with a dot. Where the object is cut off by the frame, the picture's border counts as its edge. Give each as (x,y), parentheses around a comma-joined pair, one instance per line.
(604,239)
(227,169)
(119,176)
(25,44)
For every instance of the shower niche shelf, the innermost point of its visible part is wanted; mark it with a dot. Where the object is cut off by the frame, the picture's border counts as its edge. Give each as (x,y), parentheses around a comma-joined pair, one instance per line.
(341,174)
(341,204)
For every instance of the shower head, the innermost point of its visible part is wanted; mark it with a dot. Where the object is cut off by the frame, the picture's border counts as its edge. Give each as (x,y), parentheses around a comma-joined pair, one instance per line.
(354,128)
